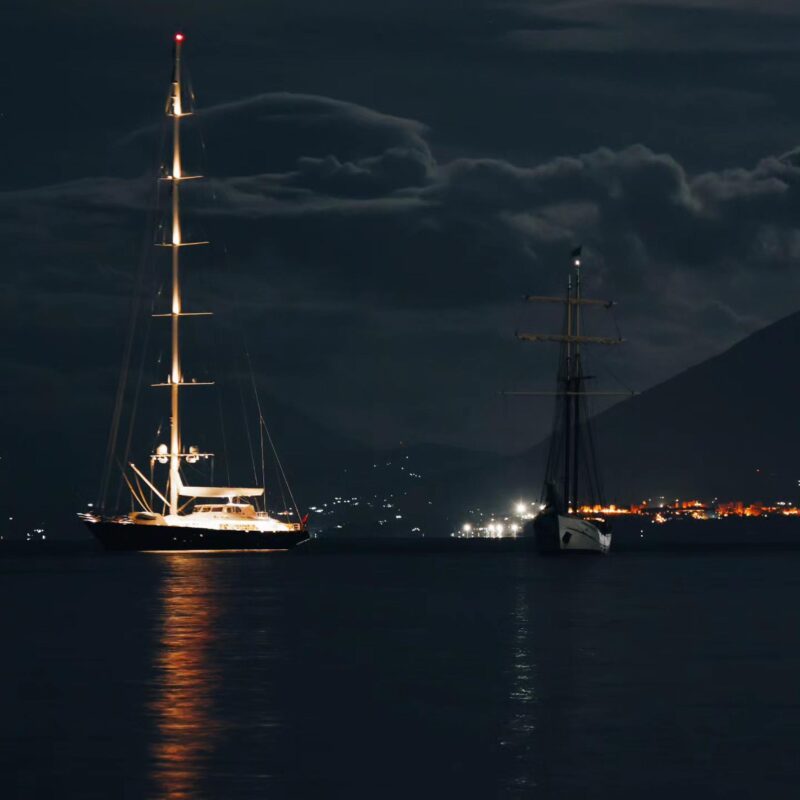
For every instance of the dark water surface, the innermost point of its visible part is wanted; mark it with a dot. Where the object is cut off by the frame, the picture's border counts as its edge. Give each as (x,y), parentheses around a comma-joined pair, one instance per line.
(385,675)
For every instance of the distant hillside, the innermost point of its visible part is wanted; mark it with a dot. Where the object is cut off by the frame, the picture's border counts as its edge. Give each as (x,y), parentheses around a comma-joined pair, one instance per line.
(50,467)
(728,427)
(46,480)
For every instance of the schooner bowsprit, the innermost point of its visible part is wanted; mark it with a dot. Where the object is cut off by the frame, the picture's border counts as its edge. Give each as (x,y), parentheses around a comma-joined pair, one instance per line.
(178,516)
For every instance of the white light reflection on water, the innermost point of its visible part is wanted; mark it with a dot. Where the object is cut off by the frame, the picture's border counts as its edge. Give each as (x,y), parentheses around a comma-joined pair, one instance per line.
(522,695)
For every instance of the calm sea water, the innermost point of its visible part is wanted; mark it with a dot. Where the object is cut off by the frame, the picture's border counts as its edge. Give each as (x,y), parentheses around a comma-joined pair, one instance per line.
(382,676)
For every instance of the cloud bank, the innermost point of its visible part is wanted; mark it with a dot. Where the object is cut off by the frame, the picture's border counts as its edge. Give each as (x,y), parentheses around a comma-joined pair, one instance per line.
(398,260)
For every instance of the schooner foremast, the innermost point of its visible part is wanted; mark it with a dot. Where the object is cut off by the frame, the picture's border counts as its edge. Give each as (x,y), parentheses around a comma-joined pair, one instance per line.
(572,442)
(176,383)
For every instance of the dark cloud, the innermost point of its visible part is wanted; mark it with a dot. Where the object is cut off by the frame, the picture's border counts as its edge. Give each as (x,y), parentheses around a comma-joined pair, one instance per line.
(614,26)
(360,254)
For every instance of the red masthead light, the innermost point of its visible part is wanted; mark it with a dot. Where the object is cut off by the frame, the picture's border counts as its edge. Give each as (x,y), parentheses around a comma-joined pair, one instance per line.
(178,37)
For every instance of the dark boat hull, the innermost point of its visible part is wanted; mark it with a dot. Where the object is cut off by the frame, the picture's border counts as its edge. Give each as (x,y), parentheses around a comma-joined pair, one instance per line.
(124,536)
(544,531)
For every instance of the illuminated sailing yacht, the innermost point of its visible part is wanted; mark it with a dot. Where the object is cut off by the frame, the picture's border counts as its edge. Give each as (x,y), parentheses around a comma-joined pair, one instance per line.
(187,517)
(571,473)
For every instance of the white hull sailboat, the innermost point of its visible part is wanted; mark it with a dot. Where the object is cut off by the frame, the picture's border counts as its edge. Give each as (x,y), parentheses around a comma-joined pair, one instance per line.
(556,533)
(176,515)
(572,479)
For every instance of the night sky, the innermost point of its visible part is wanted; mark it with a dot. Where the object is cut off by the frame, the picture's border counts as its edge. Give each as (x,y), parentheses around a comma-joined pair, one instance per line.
(388,180)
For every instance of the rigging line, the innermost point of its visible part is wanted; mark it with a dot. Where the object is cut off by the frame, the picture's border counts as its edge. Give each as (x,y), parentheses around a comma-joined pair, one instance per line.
(588,451)
(135,402)
(197,120)
(111,444)
(263,423)
(218,393)
(555,463)
(585,460)
(592,442)
(208,187)
(616,322)
(153,446)
(135,399)
(283,473)
(278,470)
(247,430)
(280,473)
(280,476)
(119,398)
(139,383)
(260,418)
(602,358)
(619,380)
(147,261)
(262,428)
(147,258)
(224,437)
(127,481)
(263,461)
(122,383)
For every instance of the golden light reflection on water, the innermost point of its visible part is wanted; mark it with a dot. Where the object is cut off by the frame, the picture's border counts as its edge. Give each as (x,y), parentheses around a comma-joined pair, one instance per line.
(186,676)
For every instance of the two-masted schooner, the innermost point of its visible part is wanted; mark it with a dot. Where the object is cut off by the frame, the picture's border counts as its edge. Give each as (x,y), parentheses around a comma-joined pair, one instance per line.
(178,516)
(572,480)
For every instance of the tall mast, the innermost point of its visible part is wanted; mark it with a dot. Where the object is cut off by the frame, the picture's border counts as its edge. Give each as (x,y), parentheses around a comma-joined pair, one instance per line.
(577,381)
(175,110)
(567,393)
(565,444)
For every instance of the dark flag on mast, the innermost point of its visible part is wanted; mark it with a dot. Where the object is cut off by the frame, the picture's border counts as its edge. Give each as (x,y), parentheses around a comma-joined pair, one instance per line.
(576,255)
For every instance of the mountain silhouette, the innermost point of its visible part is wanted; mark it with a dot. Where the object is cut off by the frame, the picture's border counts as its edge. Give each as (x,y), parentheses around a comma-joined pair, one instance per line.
(727,427)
